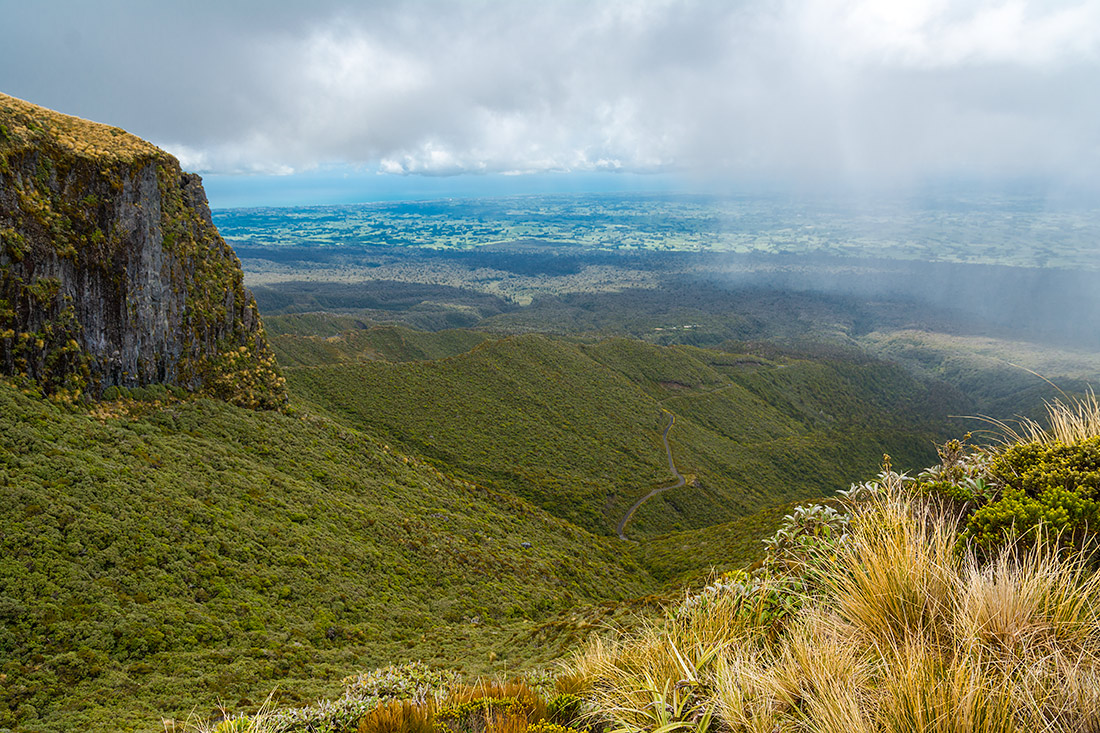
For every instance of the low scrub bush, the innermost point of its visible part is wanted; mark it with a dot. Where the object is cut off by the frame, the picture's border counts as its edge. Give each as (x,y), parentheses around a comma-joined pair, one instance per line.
(414,698)
(415,681)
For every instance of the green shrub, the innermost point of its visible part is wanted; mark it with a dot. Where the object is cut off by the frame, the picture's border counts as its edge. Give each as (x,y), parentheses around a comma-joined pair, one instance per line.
(1049,488)
(563,710)
(1021,492)
(475,716)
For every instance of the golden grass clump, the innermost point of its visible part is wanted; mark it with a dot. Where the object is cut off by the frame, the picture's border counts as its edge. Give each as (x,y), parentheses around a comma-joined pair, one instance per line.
(491,707)
(489,689)
(24,122)
(400,716)
(924,689)
(1070,421)
(894,581)
(910,631)
(1028,605)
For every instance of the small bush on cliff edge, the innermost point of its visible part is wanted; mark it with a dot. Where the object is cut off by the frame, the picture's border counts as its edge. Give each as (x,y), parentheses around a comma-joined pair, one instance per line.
(1041,482)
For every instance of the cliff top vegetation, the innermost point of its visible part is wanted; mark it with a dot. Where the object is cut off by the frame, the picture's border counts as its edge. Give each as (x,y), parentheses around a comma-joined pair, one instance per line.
(23,124)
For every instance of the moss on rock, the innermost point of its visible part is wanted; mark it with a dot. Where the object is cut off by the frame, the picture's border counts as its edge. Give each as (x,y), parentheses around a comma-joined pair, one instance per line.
(112,272)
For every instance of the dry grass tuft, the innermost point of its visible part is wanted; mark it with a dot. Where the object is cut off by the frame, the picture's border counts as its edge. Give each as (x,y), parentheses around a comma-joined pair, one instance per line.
(926,690)
(895,580)
(1070,421)
(400,716)
(489,689)
(1022,606)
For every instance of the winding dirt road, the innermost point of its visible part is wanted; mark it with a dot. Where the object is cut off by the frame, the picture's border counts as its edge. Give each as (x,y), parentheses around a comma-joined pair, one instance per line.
(672,466)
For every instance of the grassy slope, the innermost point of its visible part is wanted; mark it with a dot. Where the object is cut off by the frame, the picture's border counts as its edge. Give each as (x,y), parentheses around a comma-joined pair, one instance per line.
(388,342)
(205,553)
(783,430)
(575,428)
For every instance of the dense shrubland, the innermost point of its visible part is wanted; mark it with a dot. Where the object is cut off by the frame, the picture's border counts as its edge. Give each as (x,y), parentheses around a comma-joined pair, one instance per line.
(159,554)
(575,427)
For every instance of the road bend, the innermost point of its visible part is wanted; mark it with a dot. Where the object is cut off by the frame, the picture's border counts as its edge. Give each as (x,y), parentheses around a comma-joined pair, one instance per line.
(672,467)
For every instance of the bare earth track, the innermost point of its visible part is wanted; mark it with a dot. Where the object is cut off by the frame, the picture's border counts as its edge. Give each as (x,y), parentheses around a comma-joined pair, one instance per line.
(672,466)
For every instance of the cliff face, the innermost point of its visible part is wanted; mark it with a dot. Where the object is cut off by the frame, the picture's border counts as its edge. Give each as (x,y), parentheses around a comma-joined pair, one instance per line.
(112,272)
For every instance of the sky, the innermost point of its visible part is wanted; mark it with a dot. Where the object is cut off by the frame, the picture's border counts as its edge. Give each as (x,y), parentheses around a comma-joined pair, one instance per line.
(327,102)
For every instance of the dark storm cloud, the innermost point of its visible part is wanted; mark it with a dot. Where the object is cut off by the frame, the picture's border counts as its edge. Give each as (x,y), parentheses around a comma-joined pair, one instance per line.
(823,88)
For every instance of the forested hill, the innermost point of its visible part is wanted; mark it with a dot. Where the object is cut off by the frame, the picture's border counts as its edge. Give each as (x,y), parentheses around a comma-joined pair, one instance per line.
(156,557)
(576,427)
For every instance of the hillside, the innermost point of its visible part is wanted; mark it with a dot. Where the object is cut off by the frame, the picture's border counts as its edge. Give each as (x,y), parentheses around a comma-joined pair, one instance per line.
(162,553)
(314,340)
(575,428)
(203,553)
(447,495)
(112,273)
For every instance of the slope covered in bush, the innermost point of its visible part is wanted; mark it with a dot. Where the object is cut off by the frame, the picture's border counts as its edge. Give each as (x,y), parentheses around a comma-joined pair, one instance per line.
(878,613)
(195,552)
(576,428)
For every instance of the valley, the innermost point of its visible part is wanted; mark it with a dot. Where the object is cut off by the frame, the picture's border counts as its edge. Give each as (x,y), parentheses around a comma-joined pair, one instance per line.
(620,528)
(575,428)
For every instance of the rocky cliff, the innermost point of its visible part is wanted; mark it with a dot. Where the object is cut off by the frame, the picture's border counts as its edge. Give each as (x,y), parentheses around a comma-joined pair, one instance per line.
(112,272)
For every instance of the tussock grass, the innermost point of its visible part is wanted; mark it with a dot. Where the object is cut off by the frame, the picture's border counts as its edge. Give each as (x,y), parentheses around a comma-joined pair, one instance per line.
(1070,421)
(910,630)
(490,705)
(400,716)
(492,689)
(895,581)
(1035,603)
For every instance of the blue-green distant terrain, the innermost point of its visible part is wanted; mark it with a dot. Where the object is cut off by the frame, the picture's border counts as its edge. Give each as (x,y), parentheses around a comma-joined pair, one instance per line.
(1004,229)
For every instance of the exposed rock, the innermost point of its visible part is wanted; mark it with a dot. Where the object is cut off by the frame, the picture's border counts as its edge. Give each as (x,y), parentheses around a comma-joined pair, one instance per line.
(112,272)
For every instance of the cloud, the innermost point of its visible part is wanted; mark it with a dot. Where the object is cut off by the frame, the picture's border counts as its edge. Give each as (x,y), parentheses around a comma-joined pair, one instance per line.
(819,89)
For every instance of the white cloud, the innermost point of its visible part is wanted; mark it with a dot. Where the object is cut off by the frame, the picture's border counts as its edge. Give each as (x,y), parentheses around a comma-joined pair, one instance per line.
(941,34)
(820,88)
